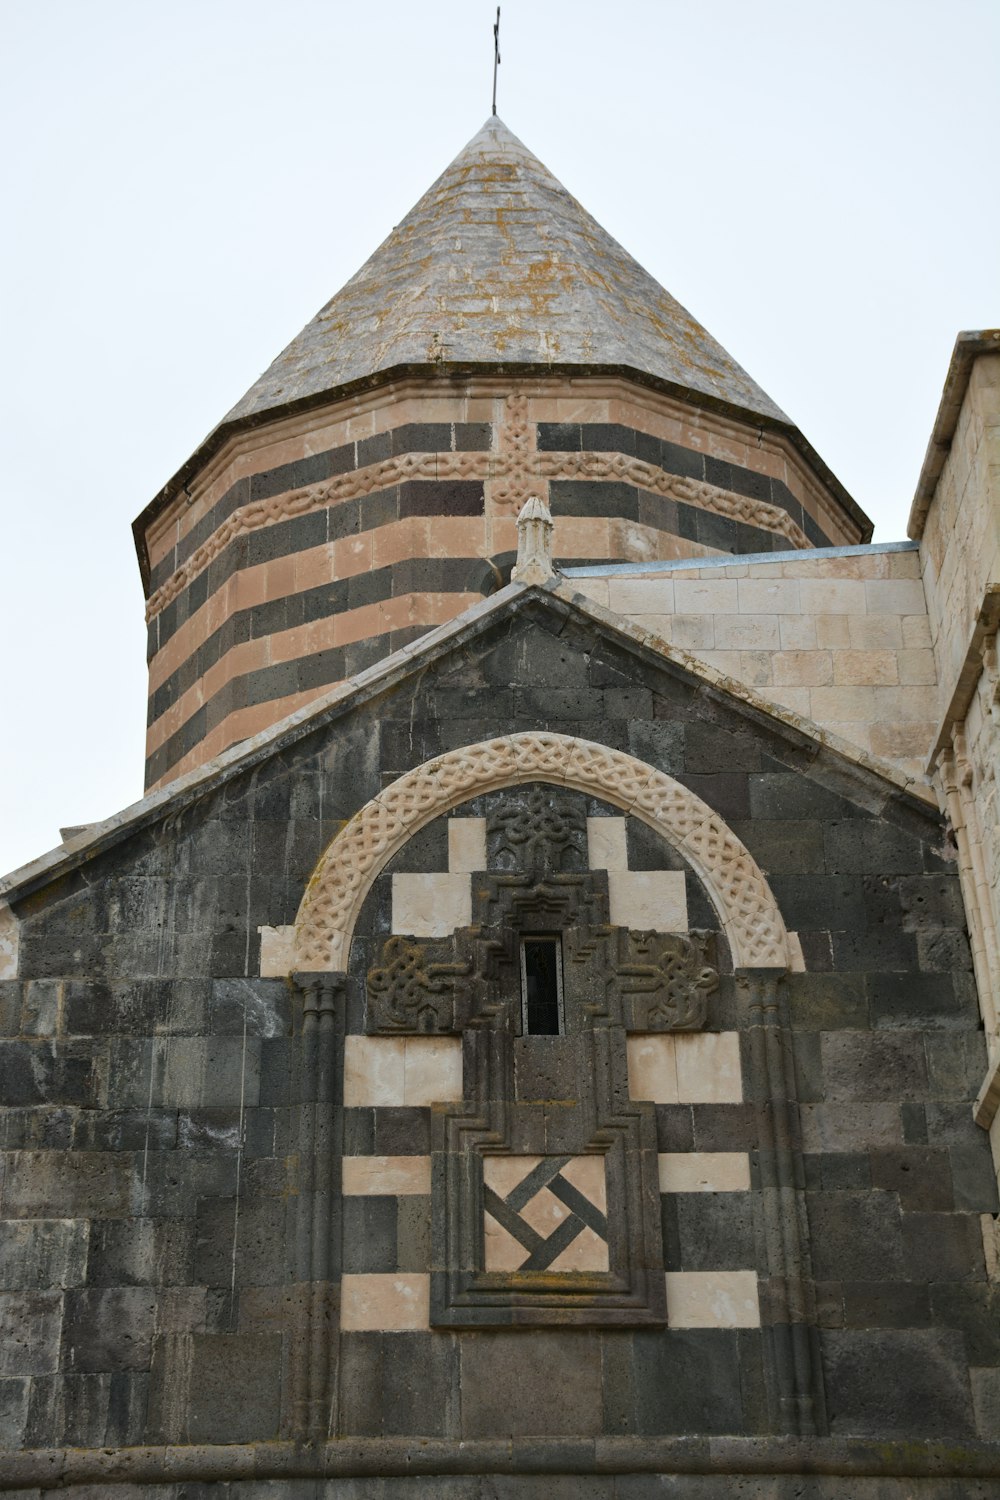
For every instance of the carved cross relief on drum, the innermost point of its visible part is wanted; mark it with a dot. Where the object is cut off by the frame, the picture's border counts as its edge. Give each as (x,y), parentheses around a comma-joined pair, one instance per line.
(545,1195)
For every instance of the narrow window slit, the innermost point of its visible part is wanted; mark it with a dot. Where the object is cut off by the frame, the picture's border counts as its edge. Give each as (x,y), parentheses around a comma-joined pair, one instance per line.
(541,986)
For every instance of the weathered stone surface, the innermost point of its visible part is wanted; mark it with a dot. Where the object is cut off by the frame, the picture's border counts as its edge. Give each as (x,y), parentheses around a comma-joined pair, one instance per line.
(158,1208)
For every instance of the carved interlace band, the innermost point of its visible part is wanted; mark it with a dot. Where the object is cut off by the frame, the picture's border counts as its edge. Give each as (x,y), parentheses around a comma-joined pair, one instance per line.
(352,861)
(516,471)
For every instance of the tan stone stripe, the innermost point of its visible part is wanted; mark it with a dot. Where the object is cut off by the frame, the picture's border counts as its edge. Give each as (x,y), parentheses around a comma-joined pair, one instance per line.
(478,466)
(395,1302)
(392,1175)
(424,609)
(414,536)
(241,725)
(712,1299)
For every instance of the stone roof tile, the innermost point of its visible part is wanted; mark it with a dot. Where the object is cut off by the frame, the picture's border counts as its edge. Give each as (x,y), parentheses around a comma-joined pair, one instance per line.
(499,265)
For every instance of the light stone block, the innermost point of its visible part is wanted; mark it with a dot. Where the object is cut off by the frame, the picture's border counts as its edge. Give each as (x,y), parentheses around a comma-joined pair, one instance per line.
(466,845)
(833,704)
(364,1176)
(727,662)
(769,596)
(796,960)
(916,632)
(747,632)
(875,632)
(594,588)
(708,1067)
(895,596)
(277,951)
(652,1068)
(694,596)
(833,596)
(388,1302)
(803,668)
(704,1171)
(797,632)
(648,899)
(756,668)
(795,698)
(712,1299)
(432,1070)
(854,668)
(911,704)
(395,1070)
(431,905)
(916,666)
(9,942)
(833,632)
(607,845)
(641,596)
(373,1070)
(691,632)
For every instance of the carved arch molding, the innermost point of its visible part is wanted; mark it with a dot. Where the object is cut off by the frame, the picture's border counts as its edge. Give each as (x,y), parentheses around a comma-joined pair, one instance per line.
(344,875)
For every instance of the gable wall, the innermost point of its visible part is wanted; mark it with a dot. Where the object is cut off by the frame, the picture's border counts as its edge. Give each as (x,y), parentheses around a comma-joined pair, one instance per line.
(153,1136)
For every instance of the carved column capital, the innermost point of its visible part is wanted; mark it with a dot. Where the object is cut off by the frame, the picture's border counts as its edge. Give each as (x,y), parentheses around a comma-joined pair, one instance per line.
(320,992)
(763,994)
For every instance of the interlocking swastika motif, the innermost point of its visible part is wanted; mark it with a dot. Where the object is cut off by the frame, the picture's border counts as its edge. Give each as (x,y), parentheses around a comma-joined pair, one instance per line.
(545,1213)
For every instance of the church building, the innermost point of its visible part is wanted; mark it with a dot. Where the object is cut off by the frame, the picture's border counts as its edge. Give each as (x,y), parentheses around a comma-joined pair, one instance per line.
(538,1034)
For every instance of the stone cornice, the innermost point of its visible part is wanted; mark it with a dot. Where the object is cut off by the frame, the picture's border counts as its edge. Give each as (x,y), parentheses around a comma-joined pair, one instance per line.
(346,1458)
(968,348)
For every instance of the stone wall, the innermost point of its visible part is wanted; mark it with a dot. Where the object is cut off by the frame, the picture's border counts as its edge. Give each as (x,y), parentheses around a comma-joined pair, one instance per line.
(959,530)
(312,548)
(160,1135)
(843,640)
(956,516)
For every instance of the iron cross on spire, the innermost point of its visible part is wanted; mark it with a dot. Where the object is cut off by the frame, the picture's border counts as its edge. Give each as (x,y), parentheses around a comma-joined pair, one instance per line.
(496,56)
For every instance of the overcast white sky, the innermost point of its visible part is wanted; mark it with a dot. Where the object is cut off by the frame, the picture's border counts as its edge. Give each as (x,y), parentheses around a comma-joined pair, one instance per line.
(186,183)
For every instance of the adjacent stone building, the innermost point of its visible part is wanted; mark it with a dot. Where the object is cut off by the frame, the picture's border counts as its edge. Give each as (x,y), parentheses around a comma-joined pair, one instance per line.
(538,1034)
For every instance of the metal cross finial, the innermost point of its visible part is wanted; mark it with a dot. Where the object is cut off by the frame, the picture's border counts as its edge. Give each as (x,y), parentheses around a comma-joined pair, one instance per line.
(496,57)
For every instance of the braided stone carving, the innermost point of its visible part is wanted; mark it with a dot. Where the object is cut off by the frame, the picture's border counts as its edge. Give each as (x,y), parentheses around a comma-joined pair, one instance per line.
(537,831)
(511,475)
(412,989)
(514,473)
(344,875)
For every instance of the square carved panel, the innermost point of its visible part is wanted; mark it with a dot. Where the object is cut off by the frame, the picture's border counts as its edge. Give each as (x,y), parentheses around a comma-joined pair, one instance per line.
(545,1213)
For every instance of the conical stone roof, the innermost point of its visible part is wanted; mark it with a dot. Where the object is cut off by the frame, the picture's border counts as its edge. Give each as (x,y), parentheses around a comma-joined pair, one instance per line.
(499,266)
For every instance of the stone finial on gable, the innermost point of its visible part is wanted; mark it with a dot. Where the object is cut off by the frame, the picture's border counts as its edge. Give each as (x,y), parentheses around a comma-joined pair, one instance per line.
(534,543)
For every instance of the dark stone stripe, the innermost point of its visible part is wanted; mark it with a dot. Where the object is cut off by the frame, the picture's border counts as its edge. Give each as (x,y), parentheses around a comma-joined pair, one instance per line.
(433,575)
(465,497)
(317,670)
(422,497)
(611,437)
(321,668)
(412,437)
(584,497)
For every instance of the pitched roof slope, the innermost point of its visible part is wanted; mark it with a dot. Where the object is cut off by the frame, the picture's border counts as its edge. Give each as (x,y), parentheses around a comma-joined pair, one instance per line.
(498,264)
